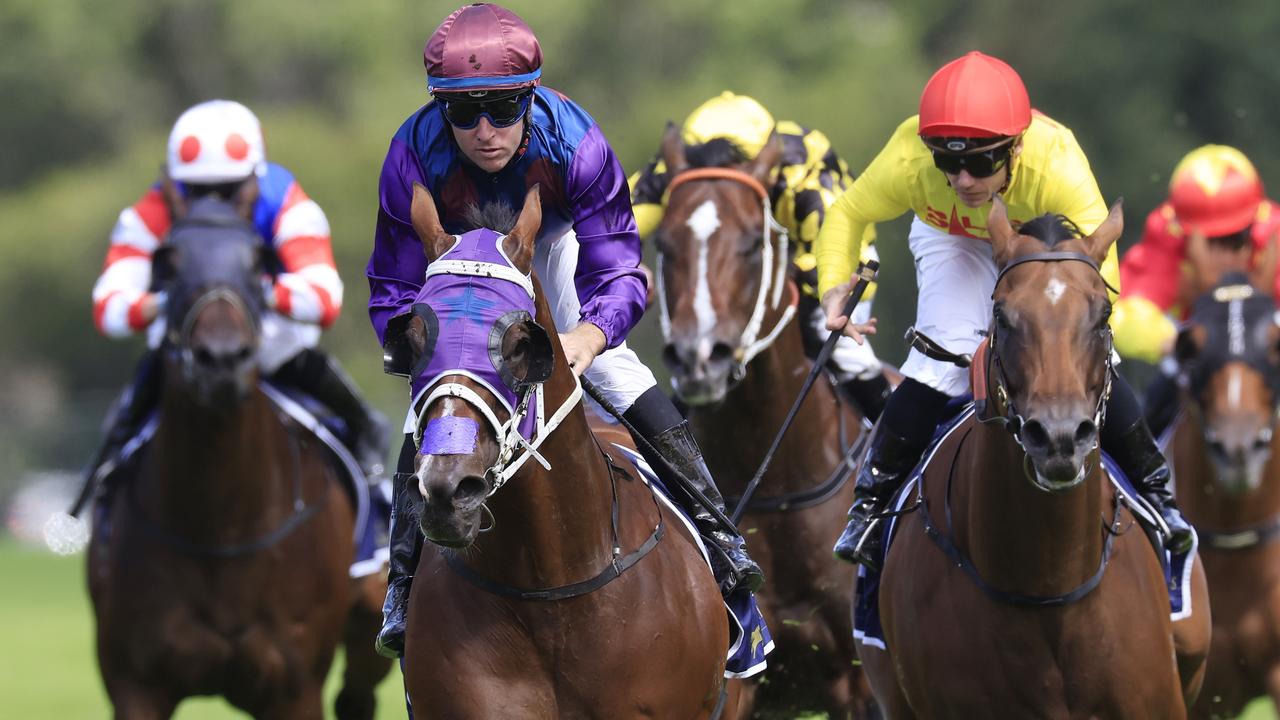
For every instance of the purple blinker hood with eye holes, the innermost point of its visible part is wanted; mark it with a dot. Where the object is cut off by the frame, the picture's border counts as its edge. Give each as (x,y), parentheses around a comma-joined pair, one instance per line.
(466,317)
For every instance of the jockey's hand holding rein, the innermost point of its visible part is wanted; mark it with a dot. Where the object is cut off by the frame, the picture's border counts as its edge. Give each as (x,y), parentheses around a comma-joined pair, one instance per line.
(833,305)
(581,345)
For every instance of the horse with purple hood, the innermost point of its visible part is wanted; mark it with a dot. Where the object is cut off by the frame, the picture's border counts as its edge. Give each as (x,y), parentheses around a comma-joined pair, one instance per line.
(578,594)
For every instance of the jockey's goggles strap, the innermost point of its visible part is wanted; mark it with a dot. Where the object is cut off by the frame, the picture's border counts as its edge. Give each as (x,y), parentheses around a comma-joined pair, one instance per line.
(492,82)
(478,268)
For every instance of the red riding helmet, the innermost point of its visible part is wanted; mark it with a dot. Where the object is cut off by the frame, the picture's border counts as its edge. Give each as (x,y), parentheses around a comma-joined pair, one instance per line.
(480,48)
(1216,190)
(974,96)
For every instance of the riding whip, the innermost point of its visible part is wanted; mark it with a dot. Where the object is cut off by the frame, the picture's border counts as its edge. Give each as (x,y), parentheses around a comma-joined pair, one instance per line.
(672,472)
(866,275)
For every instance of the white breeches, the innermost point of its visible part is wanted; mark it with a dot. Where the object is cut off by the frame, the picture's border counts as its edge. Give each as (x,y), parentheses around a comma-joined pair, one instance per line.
(955,276)
(617,373)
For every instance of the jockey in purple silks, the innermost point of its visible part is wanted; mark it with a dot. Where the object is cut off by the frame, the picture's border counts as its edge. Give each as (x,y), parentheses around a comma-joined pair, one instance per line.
(489,134)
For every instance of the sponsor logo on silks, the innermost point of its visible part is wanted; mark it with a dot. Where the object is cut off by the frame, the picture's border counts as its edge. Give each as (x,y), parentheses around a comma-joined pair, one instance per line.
(449,435)
(757,638)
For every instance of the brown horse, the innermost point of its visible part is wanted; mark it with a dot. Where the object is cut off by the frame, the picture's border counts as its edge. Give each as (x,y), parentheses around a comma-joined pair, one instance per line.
(220,566)
(737,357)
(1019,585)
(580,596)
(1224,452)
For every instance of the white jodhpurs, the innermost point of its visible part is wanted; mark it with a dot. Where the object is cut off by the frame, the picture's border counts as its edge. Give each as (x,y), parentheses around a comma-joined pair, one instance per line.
(955,276)
(617,372)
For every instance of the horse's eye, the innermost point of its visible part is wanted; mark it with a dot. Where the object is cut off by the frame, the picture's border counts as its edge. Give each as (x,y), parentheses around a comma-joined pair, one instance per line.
(1002,320)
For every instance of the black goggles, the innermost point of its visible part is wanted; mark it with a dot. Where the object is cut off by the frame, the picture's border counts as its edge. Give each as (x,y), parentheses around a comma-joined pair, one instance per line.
(952,155)
(502,112)
(978,164)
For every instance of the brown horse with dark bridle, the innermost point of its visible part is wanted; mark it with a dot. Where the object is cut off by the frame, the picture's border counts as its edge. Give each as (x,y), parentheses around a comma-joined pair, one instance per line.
(558,585)
(736,353)
(1224,449)
(219,566)
(1018,583)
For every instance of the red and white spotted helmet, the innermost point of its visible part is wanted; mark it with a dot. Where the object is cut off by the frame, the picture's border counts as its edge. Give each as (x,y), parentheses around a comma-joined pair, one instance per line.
(216,141)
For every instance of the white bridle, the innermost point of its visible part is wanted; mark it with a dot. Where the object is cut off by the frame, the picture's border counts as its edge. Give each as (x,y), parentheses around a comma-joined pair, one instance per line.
(773,272)
(508,462)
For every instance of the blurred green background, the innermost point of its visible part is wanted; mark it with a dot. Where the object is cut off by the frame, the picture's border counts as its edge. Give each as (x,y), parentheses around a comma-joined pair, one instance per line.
(92,88)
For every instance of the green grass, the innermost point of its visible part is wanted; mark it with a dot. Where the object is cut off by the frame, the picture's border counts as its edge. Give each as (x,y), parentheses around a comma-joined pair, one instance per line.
(47,666)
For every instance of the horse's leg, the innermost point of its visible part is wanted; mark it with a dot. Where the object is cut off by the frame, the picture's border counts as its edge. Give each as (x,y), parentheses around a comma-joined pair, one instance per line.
(741,700)
(364,668)
(877,666)
(307,703)
(135,700)
(1191,637)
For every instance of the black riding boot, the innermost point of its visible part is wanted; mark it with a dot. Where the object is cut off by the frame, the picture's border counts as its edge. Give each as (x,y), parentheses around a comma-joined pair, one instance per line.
(406,548)
(1127,439)
(319,375)
(869,395)
(897,442)
(130,411)
(730,563)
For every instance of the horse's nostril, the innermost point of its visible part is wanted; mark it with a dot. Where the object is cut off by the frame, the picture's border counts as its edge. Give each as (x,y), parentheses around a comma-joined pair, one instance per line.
(471,489)
(1086,432)
(721,352)
(1035,434)
(204,356)
(671,357)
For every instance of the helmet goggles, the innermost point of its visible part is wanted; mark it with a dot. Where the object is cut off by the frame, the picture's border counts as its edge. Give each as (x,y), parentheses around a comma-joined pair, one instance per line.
(980,157)
(464,112)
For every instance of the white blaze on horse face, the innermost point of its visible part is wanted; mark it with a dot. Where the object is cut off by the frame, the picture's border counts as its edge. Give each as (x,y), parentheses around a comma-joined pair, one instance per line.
(1235,378)
(704,222)
(1054,290)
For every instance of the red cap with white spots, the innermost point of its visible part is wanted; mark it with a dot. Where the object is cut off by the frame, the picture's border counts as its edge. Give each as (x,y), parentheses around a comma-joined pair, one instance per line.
(215,142)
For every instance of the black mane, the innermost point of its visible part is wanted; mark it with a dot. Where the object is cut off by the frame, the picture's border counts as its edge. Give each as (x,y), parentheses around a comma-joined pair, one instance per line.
(1051,229)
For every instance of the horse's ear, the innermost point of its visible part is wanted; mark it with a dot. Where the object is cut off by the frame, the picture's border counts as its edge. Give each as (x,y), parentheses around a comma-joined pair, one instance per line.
(1000,231)
(1099,243)
(246,197)
(767,159)
(173,198)
(1187,345)
(426,222)
(673,151)
(519,242)
(527,354)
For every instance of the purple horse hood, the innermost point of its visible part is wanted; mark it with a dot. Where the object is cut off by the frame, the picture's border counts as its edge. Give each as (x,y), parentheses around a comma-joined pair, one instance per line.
(472,295)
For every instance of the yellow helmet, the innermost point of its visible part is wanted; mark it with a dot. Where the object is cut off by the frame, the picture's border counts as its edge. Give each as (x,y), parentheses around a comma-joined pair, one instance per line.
(736,118)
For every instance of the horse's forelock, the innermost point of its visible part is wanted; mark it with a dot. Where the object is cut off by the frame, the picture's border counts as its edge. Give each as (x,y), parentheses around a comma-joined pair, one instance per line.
(497,216)
(717,152)
(1051,229)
